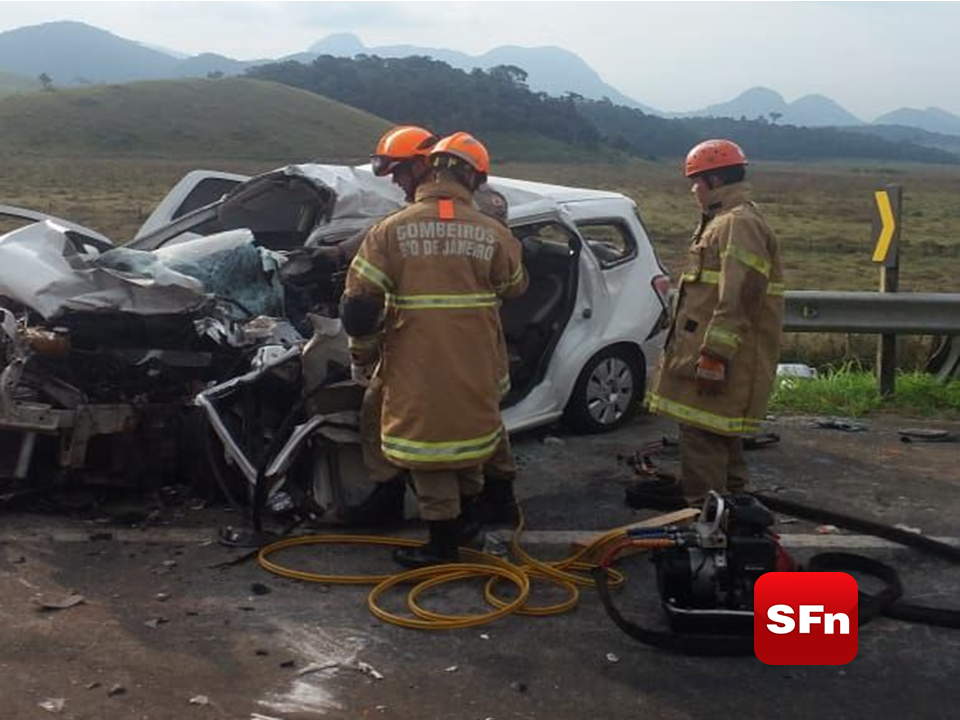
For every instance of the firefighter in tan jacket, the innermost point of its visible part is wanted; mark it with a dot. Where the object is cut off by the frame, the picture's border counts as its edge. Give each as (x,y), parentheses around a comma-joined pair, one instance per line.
(424,292)
(721,355)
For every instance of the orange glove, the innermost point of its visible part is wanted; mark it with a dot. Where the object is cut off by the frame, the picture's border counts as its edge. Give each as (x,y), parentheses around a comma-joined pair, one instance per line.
(711,375)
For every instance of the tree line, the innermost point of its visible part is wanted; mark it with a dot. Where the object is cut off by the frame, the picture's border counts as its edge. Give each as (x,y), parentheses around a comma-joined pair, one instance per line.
(423,91)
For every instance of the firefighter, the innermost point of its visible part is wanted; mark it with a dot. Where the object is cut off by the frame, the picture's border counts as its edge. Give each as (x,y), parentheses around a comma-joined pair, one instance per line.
(422,295)
(402,152)
(721,353)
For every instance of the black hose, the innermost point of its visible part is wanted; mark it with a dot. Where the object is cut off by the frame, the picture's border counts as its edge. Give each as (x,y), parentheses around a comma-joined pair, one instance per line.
(899,609)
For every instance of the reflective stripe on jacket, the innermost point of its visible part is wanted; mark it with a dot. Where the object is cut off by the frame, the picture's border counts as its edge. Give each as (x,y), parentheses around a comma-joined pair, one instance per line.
(729,305)
(443,358)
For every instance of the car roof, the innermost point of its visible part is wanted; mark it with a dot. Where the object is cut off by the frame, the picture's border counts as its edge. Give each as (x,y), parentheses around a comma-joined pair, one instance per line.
(557,193)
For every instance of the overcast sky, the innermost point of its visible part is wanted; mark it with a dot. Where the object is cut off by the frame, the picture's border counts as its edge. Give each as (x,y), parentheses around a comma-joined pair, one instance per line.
(675,56)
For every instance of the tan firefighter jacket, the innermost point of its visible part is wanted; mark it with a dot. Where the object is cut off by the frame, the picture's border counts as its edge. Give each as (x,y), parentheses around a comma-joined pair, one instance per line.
(441,267)
(729,305)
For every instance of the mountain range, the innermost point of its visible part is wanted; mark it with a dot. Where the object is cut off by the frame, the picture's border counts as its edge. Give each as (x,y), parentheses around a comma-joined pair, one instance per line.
(71,53)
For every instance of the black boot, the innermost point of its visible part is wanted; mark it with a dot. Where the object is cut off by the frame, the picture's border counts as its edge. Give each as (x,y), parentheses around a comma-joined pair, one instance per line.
(470,524)
(496,503)
(442,548)
(383,507)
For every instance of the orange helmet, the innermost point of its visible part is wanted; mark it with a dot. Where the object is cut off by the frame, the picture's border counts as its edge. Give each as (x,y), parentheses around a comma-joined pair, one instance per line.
(465,147)
(713,154)
(399,145)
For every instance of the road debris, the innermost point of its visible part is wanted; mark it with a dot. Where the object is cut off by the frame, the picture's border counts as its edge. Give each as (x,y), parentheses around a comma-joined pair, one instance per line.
(828,529)
(62,603)
(909,435)
(613,657)
(199,700)
(318,667)
(841,424)
(452,668)
(908,528)
(54,705)
(368,669)
(154,623)
(116,689)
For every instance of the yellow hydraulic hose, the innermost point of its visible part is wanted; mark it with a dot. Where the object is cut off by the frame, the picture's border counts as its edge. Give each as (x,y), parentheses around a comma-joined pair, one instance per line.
(567,573)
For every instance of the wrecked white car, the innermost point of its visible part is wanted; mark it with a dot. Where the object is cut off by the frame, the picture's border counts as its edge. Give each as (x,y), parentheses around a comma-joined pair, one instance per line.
(210,340)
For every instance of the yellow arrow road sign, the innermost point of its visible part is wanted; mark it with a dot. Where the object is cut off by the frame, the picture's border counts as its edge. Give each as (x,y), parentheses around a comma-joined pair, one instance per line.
(888,225)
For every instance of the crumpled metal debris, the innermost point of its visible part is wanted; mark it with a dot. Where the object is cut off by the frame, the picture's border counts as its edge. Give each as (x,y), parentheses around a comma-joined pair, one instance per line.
(841,424)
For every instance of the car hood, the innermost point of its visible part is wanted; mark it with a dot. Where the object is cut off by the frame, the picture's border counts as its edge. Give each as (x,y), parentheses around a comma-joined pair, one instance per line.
(41,268)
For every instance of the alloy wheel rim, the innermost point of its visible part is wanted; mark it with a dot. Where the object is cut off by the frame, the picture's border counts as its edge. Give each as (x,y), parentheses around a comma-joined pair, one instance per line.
(609,390)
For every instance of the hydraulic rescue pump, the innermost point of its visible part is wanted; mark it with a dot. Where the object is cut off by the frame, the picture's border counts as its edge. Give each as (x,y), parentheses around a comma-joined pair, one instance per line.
(706,572)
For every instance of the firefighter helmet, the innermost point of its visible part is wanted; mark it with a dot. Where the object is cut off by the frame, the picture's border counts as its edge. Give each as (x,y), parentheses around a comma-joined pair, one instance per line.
(712,155)
(465,147)
(400,144)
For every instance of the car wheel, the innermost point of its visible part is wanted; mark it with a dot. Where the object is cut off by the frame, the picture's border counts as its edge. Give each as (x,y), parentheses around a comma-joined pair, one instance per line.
(606,394)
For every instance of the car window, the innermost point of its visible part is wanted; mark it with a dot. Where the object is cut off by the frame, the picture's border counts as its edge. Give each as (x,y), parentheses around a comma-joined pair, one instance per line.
(205,192)
(611,242)
(552,236)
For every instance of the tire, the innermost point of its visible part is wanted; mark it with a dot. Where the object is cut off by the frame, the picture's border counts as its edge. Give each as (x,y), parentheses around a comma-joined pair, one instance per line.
(607,392)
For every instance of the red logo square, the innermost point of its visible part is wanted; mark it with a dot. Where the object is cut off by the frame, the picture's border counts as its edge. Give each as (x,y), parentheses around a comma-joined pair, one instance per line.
(805,618)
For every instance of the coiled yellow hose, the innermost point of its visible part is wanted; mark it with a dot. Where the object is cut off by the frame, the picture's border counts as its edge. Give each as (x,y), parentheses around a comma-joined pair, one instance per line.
(568,573)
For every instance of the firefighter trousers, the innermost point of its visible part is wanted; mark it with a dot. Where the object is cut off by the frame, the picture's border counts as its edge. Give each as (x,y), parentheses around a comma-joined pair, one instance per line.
(709,461)
(439,491)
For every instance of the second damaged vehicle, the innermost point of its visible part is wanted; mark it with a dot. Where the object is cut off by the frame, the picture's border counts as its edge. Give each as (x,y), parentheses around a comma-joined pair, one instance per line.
(210,342)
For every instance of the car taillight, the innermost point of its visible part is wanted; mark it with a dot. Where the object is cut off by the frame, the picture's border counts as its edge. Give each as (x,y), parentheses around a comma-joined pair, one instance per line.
(661,283)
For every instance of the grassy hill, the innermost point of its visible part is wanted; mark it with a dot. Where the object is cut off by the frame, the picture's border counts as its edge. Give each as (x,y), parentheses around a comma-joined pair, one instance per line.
(13,83)
(238,119)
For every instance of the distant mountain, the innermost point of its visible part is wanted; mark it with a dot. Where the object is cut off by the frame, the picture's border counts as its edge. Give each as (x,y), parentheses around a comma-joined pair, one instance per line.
(761,102)
(818,111)
(72,53)
(75,54)
(552,70)
(932,120)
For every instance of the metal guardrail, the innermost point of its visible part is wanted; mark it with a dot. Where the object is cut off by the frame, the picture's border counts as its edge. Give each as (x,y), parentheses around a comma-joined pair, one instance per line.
(872,312)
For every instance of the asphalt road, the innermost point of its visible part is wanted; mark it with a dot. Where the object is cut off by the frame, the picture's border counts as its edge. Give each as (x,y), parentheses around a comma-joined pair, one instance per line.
(163,634)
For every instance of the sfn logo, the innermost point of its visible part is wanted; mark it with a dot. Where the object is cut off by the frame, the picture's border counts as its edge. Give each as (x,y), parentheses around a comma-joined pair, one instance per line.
(805,618)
